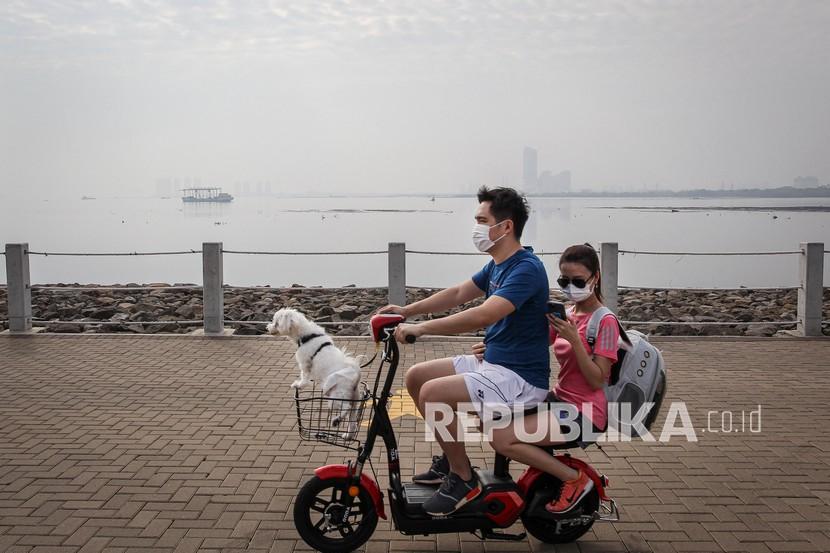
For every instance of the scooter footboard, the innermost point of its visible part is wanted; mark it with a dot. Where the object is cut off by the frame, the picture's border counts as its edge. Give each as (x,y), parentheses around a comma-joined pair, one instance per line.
(498,506)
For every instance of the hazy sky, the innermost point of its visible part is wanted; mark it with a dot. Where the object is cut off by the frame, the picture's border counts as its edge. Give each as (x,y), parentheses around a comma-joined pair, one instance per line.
(411,95)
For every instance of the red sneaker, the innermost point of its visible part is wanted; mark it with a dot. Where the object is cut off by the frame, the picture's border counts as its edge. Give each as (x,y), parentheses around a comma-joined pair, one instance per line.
(572,492)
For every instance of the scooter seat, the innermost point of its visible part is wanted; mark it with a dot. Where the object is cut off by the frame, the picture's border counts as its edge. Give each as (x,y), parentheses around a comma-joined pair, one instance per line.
(551,398)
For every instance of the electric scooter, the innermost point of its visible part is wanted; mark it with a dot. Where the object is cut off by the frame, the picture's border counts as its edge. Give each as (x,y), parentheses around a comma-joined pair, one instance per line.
(338,509)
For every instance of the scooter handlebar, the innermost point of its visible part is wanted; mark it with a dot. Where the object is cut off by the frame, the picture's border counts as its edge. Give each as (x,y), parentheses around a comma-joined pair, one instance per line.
(410,338)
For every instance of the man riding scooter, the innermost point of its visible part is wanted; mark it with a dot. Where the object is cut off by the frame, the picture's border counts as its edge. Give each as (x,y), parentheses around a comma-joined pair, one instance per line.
(516,364)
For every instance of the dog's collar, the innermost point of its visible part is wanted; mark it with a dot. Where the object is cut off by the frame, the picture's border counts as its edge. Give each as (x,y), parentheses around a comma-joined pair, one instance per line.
(303,339)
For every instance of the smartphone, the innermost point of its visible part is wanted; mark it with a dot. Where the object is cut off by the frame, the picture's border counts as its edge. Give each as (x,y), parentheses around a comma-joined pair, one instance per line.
(557,310)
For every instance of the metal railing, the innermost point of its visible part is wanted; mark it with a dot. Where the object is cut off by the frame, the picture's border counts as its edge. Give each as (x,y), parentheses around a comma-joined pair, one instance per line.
(808,316)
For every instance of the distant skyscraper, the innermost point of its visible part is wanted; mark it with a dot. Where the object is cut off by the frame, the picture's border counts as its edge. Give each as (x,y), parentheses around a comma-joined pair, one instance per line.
(806,182)
(552,184)
(530,174)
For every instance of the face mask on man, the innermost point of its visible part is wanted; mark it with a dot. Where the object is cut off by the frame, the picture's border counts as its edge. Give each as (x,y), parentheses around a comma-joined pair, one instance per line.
(481,237)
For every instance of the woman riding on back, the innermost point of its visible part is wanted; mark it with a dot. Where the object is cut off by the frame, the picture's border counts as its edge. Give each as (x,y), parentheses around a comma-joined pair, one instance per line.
(583,373)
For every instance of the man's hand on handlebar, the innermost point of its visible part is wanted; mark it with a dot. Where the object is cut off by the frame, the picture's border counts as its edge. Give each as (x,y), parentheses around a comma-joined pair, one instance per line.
(408,333)
(478,350)
(391,308)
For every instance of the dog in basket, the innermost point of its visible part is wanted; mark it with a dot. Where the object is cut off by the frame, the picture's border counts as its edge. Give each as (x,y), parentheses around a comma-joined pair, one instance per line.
(335,371)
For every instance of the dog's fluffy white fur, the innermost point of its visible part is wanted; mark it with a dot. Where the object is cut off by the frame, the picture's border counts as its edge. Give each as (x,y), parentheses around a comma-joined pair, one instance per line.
(333,370)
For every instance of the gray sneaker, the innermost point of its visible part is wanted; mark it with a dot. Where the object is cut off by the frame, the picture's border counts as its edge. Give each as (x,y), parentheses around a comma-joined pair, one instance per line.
(453,494)
(436,473)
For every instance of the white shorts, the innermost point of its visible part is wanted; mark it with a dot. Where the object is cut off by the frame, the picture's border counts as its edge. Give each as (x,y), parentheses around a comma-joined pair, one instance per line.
(491,386)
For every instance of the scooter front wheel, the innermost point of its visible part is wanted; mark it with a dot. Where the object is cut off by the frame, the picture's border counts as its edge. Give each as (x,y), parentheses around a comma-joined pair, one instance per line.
(325,523)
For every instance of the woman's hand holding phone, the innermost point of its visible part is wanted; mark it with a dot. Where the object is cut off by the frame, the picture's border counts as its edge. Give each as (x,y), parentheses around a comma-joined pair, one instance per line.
(565,329)
(557,310)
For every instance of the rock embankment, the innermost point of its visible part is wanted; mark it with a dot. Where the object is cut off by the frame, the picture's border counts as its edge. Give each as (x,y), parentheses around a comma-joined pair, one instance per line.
(156,309)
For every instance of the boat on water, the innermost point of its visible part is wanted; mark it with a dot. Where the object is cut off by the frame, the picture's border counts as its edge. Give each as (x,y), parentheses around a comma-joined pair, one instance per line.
(190,195)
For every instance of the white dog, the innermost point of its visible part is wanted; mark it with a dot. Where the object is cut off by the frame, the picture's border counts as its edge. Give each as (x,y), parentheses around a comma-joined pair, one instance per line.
(335,371)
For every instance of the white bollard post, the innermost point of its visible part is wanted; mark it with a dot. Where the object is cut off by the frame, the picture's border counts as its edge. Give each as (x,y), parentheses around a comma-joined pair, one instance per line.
(397,273)
(609,263)
(811,276)
(212,297)
(19,288)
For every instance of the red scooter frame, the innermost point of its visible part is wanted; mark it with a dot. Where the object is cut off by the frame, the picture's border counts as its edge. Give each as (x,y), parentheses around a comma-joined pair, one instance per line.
(338,509)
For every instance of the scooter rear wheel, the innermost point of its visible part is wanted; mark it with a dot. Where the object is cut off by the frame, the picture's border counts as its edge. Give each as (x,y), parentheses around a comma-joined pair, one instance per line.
(318,516)
(546,530)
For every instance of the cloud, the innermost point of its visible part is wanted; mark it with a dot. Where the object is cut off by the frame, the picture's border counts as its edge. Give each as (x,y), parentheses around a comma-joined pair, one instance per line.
(397,91)
(273,28)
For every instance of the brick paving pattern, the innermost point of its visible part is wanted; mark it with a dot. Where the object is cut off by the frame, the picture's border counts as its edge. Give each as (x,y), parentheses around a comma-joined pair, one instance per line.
(179,444)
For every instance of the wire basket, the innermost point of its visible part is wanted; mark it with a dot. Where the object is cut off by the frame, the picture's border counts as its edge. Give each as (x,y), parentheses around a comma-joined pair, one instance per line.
(330,420)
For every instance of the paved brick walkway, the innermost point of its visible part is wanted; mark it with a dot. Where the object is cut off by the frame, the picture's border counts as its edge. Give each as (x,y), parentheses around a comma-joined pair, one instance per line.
(149,443)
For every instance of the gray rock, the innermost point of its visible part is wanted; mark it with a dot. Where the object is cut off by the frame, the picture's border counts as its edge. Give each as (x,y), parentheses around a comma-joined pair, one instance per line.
(346,312)
(189,311)
(67,313)
(706,319)
(100,314)
(761,330)
(141,316)
(744,316)
(64,328)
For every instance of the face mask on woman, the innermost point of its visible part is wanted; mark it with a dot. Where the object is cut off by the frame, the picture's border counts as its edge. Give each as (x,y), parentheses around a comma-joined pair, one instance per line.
(573,292)
(481,237)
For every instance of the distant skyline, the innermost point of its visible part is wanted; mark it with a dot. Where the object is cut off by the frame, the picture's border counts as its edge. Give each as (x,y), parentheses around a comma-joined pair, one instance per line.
(370,96)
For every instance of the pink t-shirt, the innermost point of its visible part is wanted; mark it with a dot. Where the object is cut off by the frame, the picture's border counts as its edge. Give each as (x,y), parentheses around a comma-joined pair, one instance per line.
(571,385)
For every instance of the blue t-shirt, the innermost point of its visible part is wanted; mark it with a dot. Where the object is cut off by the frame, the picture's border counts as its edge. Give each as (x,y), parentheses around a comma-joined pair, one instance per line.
(520,340)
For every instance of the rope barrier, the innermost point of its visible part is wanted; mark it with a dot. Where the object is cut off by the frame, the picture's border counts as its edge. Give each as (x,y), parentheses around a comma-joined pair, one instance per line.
(346,288)
(183,322)
(120,323)
(710,253)
(657,288)
(102,254)
(424,252)
(707,289)
(95,288)
(199,287)
(419,252)
(709,323)
(304,288)
(304,253)
(352,323)
(379,252)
